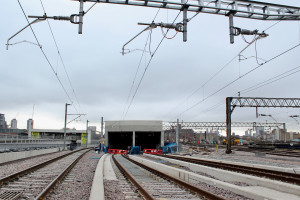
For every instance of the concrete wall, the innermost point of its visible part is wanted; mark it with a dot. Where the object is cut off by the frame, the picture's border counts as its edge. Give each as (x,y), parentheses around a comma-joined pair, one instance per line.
(7,157)
(134,126)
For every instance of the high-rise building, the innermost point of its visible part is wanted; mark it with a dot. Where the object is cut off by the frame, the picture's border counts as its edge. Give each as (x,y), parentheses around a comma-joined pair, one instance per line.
(260,130)
(13,124)
(3,124)
(248,132)
(29,124)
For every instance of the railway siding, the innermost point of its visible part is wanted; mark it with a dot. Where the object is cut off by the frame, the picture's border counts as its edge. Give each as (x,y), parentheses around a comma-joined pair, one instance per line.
(229,176)
(255,192)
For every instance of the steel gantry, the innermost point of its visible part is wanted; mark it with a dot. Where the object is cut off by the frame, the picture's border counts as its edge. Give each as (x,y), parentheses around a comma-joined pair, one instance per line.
(176,126)
(240,8)
(230,8)
(232,102)
(220,125)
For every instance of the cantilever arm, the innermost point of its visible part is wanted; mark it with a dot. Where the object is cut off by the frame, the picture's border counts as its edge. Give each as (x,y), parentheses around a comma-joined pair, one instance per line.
(148,27)
(35,21)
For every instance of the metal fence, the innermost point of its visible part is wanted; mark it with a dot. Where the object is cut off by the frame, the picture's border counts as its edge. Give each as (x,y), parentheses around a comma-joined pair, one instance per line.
(14,143)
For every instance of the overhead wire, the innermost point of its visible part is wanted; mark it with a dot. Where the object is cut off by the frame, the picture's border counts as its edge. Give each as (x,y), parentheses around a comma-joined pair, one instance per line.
(62,61)
(48,61)
(230,83)
(135,76)
(223,67)
(203,85)
(272,80)
(146,68)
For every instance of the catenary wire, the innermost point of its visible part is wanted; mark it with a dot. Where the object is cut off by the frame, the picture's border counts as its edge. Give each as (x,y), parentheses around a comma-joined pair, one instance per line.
(45,55)
(151,57)
(221,69)
(211,78)
(62,61)
(222,88)
(262,84)
(149,36)
(271,80)
(136,73)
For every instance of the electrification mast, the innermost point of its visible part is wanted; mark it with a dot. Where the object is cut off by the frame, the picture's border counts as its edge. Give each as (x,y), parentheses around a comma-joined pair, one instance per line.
(230,8)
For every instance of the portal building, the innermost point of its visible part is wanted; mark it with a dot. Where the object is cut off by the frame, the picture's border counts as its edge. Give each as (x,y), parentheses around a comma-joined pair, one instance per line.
(148,134)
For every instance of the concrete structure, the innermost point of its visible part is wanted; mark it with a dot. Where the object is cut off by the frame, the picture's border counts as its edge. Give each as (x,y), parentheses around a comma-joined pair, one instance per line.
(29,125)
(13,124)
(59,134)
(95,138)
(144,133)
(97,190)
(8,157)
(259,188)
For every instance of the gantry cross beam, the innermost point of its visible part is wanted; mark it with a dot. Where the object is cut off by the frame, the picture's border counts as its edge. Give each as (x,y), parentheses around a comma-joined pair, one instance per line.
(232,102)
(265,102)
(239,8)
(221,125)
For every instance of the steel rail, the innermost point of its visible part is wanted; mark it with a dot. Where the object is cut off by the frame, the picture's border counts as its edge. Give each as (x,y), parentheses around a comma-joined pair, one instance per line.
(276,175)
(33,168)
(143,191)
(45,192)
(277,153)
(184,184)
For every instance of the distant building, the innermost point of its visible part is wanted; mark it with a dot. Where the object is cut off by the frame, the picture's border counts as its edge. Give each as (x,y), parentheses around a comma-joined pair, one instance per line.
(93,131)
(13,124)
(3,124)
(29,125)
(248,133)
(260,130)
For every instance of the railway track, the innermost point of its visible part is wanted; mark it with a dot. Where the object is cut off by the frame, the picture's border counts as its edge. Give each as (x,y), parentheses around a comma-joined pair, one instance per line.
(156,185)
(274,152)
(272,174)
(36,182)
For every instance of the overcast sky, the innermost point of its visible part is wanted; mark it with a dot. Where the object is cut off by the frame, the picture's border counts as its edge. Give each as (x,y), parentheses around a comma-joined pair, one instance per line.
(101,77)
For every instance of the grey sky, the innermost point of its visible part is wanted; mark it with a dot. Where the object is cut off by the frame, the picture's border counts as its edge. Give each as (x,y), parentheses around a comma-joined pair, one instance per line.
(102,77)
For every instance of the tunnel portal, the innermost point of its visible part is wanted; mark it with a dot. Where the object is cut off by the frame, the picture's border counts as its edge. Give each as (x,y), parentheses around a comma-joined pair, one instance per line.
(147,140)
(119,140)
(147,134)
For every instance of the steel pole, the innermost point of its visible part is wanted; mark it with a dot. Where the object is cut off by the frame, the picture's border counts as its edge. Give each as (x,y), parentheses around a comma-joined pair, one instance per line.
(284,132)
(231,33)
(185,21)
(66,113)
(101,126)
(87,124)
(81,13)
(177,135)
(228,123)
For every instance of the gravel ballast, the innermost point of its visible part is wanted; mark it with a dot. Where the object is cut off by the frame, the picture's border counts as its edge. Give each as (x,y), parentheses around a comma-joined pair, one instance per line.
(77,184)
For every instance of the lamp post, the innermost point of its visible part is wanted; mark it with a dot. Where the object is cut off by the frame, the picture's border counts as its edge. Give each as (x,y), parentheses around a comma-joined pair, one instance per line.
(87,124)
(66,113)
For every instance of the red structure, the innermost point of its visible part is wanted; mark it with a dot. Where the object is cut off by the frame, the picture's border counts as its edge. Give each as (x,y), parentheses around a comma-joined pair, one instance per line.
(117,151)
(153,151)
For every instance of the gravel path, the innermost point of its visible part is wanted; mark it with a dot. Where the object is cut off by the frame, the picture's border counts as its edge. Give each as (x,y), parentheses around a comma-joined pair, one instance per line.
(23,164)
(77,184)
